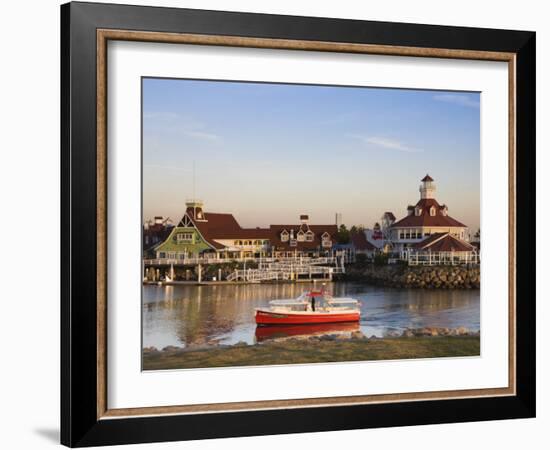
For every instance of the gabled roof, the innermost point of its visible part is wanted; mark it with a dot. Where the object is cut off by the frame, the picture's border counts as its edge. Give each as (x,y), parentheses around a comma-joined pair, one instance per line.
(359,241)
(427,178)
(443,242)
(425,219)
(318,231)
(217,226)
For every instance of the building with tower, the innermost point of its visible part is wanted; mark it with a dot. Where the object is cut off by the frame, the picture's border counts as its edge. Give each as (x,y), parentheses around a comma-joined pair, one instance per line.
(424,220)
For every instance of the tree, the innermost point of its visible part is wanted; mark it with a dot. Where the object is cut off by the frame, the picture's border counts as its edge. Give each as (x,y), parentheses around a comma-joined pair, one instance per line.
(343,235)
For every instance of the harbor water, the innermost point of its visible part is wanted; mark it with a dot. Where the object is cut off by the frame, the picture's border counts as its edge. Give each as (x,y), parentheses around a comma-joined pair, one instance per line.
(211,315)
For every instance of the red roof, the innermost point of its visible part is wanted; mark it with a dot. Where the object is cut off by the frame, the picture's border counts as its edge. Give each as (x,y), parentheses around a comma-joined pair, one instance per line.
(443,242)
(427,178)
(359,241)
(425,219)
(224,226)
(215,225)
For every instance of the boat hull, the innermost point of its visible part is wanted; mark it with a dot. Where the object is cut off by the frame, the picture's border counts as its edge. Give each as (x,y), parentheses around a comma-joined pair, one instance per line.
(265,317)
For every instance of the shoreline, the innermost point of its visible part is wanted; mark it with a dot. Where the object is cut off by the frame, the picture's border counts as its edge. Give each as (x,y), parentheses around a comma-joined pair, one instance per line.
(316,349)
(395,276)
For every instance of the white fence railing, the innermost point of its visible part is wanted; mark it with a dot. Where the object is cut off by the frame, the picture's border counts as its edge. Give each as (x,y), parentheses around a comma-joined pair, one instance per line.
(441,258)
(262,260)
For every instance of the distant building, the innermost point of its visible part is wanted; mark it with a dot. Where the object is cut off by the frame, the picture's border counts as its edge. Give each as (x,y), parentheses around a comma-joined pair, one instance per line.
(375,236)
(361,245)
(219,235)
(423,220)
(155,231)
(338,219)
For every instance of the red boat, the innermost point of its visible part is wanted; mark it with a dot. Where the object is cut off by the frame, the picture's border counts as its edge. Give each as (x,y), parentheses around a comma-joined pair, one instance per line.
(312,307)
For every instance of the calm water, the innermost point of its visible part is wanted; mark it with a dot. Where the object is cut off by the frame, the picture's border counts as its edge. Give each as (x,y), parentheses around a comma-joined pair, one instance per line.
(212,315)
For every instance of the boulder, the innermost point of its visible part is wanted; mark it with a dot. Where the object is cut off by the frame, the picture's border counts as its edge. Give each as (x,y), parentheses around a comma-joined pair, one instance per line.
(357,335)
(171,348)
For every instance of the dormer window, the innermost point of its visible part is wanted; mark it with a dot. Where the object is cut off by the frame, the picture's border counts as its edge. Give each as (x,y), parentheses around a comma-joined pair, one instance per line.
(309,236)
(444,210)
(325,240)
(284,236)
(417,211)
(432,211)
(301,236)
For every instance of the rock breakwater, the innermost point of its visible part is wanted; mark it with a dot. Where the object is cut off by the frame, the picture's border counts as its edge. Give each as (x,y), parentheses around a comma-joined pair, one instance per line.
(428,277)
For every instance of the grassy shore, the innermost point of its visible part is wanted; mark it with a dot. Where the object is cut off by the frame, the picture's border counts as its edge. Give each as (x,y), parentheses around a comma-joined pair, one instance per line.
(296,351)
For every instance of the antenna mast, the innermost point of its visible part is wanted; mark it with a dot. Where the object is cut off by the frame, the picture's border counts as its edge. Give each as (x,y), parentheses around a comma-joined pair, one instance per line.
(194,194)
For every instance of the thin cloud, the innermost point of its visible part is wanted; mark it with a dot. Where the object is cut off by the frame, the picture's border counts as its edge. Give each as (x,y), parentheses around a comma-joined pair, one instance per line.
(185,124)
(202,135)
(159,166)
(457,99)
(383,142)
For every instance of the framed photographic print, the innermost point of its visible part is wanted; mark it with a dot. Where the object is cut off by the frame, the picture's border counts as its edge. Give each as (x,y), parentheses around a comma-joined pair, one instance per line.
(276,224)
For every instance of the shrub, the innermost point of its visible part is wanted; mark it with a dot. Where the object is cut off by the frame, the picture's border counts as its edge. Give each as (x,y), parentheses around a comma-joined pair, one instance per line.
(381,259)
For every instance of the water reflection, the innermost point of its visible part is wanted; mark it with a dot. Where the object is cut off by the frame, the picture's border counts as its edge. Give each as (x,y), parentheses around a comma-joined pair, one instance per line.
(302,331)
(210,315)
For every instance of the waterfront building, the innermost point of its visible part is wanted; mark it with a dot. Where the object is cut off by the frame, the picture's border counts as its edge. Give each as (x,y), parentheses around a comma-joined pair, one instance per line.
(423,220)
(219,236)
(442,249)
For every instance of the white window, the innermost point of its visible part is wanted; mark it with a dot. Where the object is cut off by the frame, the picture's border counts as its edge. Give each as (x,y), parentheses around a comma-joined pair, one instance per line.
(284,236)
(184,238)
(171,255)
(417,211)
(309,236)
(301,236)
(432,211)
(293,243)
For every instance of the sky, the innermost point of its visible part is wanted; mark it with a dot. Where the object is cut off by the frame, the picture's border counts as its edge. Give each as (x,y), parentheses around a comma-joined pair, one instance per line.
(269,152)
